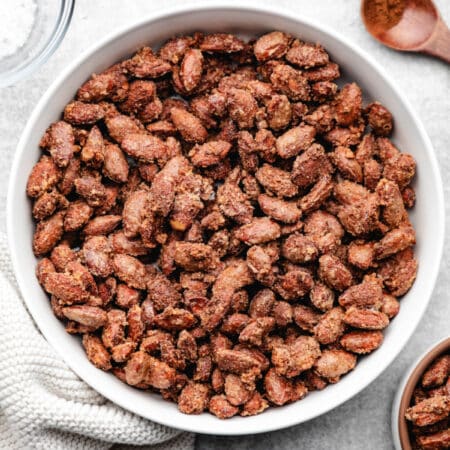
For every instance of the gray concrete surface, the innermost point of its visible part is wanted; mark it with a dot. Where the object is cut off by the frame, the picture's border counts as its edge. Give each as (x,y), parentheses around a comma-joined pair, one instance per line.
(363,422)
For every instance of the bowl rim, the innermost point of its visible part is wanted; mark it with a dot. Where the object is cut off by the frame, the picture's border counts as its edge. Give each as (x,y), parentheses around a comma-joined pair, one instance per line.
(412,379)
(217,6)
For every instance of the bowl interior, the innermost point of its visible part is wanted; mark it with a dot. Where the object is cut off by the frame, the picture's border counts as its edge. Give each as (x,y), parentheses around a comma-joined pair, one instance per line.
(408,390)
(249,21)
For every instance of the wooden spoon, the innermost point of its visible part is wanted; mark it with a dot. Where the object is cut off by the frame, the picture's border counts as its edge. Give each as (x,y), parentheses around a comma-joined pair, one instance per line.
(408,25)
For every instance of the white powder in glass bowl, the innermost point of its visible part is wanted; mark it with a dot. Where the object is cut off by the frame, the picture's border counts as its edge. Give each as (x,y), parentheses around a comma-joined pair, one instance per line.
(17,18)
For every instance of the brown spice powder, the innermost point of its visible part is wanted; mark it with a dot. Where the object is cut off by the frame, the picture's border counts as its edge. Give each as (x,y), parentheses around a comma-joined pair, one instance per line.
(384,14)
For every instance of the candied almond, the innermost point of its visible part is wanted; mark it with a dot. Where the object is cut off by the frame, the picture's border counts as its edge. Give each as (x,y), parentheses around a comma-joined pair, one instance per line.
(271,46)
(334,273)
(48,233)
(44,175)
(222,43)
(79,113)
(96,352)
(429,411)
(332,364)
(210,153)
(361,342)
(307,55)
(295,140)
(366,319)
(60,141)
(437,373)
(258,231)
(296,357)
(220,406)
(331,326)
(276,181)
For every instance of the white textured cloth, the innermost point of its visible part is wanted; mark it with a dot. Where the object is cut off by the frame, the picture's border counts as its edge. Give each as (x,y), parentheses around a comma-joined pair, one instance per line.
(44,405)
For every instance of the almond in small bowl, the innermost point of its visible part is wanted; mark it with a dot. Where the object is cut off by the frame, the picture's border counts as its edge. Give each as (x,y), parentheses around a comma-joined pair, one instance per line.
(421,409)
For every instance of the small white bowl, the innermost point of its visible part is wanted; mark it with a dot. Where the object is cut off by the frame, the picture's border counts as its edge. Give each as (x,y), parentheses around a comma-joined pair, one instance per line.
(405,390)
(410,136)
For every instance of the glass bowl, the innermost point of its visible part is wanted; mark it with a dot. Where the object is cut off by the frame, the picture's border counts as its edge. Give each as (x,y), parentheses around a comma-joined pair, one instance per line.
(52,18)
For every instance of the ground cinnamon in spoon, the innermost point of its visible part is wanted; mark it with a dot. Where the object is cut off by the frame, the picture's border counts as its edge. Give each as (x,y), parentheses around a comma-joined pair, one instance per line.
(384,14)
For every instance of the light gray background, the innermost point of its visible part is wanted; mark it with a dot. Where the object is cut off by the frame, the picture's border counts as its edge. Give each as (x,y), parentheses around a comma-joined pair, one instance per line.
(364,421)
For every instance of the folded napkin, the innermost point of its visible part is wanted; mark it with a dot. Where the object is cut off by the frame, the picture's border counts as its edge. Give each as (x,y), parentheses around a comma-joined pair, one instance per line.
(44,405)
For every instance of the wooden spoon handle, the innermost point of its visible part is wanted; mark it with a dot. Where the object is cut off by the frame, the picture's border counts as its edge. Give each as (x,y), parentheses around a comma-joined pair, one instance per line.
(439,43)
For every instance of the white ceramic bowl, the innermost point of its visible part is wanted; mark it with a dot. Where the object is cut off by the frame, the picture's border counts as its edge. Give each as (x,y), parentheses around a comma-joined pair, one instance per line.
(428,215)
(405,390)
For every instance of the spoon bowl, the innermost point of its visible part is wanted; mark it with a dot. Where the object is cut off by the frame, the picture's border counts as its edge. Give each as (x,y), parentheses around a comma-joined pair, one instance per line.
(407,25)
